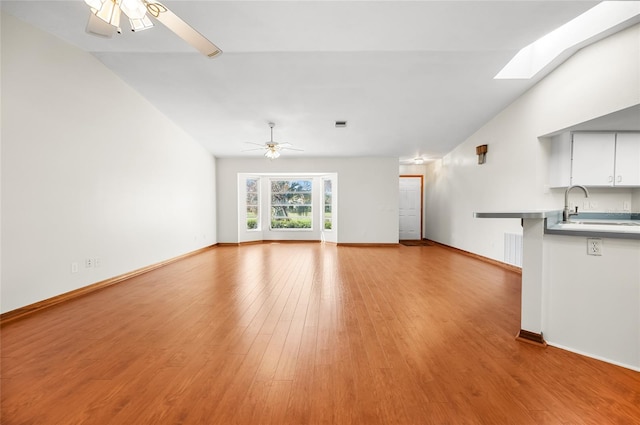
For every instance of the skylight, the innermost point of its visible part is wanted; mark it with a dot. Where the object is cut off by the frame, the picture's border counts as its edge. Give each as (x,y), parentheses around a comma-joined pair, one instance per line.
(596,23)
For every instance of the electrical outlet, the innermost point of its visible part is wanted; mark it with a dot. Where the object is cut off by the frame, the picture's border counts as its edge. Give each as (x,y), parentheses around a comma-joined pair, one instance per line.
(88,263)
(594,246)
(74,267)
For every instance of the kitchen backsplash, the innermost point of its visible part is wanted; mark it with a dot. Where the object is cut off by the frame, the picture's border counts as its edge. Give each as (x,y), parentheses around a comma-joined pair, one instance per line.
(610,200)
(635,201)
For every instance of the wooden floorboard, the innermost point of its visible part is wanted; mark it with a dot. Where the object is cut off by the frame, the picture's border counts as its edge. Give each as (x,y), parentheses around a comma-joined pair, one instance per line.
(303,334)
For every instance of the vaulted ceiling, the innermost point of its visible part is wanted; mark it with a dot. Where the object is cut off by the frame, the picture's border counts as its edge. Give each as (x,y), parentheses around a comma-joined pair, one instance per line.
(410,77)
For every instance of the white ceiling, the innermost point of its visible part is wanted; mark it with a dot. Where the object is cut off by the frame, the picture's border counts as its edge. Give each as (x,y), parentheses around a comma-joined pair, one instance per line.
(410,77)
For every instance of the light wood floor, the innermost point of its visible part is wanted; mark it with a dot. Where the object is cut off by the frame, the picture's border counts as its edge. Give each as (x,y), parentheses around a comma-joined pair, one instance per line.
(303,334)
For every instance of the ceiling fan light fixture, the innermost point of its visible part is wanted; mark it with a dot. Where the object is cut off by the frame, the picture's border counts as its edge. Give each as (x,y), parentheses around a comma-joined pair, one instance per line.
(141,24)
(137,11)
(271,149)
(94,4)
(272,153)
(134,9)
(110,13)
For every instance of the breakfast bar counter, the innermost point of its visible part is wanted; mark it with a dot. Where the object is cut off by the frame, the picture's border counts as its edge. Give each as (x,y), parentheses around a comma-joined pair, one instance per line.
(576,299)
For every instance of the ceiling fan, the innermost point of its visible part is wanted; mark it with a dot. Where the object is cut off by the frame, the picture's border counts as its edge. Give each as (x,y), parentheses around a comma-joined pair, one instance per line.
(104,21)
(272,149)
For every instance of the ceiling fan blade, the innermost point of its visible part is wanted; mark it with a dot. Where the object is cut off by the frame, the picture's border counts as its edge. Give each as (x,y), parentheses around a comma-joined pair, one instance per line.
(257,144)
(291,149)
(98,27)
(253,149)
(182,29)
(284,145)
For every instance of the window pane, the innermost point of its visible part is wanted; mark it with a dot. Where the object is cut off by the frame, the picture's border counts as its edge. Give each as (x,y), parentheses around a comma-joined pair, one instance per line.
(291,204)
(289,212)
(253,204)
(290,186)
(328,220)
(291,198)
(252,218)
(327,217)
(252,199)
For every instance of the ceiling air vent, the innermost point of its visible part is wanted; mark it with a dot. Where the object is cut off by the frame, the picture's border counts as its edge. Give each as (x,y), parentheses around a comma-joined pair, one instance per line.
(341,124)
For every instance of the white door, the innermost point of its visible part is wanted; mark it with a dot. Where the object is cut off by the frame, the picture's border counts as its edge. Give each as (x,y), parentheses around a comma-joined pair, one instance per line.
(410,208)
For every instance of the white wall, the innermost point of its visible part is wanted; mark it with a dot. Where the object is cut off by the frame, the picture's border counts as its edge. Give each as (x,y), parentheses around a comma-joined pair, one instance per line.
(592,303)
(89,169)
(598,80)
(367,195)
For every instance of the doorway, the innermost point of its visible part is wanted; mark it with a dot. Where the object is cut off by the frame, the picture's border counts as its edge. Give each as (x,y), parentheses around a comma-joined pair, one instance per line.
(410,207)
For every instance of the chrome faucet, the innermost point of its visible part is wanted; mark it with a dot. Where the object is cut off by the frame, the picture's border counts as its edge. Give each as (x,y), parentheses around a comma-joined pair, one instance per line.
(566,213)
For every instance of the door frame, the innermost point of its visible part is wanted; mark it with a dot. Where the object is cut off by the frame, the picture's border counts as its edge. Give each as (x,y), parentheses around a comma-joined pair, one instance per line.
(421,199)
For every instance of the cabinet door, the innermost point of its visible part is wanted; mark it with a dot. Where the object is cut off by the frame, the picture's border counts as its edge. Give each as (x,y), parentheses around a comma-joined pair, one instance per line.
(593,159)
(628,159)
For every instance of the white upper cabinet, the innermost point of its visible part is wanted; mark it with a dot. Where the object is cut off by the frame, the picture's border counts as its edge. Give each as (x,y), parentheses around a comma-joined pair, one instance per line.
(593,159)
(627,159)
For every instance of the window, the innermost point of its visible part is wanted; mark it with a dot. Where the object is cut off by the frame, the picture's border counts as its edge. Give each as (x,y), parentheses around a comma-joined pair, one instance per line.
(328,221)
(291,204)
(253,204)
